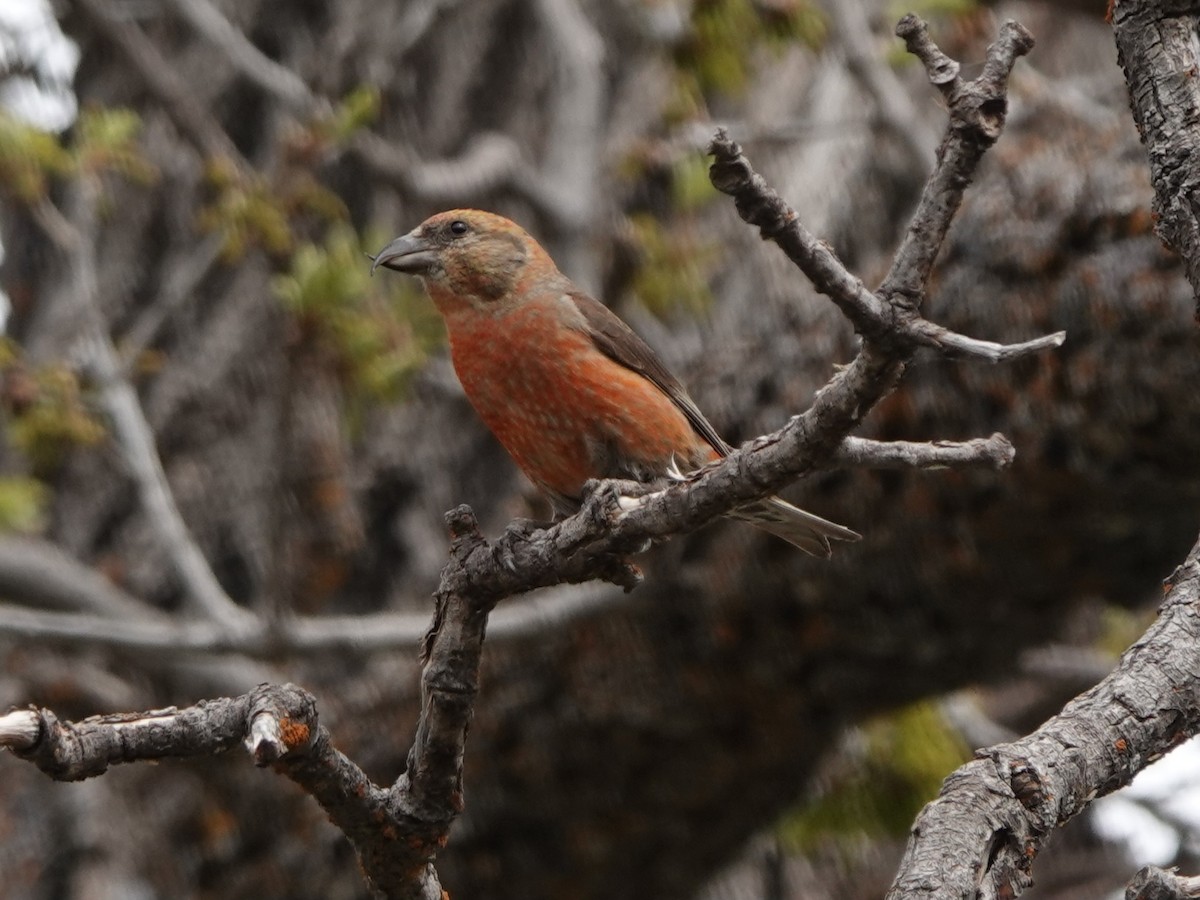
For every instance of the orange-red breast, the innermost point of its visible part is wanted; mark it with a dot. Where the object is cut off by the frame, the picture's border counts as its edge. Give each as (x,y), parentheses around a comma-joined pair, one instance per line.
(567,387)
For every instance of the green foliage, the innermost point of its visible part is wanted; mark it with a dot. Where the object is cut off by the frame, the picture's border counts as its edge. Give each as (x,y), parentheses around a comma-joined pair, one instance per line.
(691,188)
(29,159)
(47,413)
(22,504)
(103,140)
(672,272)
(717,57)
(357,110)
(904,758)
(379,330)
(106,141)
(1120,627)
(248,211)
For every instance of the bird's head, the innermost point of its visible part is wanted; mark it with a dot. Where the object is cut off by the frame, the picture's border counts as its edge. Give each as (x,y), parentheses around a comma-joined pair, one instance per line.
(467,255)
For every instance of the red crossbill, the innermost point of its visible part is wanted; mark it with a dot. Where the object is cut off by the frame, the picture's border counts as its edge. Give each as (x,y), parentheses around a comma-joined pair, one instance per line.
(567,387)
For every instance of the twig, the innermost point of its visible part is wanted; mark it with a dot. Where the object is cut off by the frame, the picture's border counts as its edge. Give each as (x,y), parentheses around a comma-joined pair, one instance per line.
(953,344)
(488,162)
(41,574)
(977,112)
(888,315)
(491,161)
(191,268)
(154,635)
(980,837)
(179,102)
(278,726)
(133,432)
(993,452)
(1154,883)
(893,106)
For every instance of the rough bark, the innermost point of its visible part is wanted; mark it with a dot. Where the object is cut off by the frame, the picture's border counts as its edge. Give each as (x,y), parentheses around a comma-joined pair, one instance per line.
(641,740)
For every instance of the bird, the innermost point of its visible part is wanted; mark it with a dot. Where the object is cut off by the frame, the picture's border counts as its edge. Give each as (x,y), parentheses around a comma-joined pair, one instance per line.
(569,390)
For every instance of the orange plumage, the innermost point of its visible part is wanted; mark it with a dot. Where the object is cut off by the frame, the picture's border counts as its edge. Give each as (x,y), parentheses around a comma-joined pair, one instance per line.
(567,388)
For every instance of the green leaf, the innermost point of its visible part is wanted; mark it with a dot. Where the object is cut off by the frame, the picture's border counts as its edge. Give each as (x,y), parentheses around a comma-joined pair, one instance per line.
(898,765)
(379,330)
(29,159)
(22,504)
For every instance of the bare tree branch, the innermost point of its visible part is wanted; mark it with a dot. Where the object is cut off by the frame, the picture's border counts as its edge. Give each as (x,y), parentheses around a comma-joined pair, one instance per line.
(277,80)
(39,573)
(398,831)
(395,831)
(133,432)
(993,815)
(878,316)
(278,726)
(977,112)
(157,636)
(1156,47)
(993,452)
(491,160)
(893,106)
(1153,883)
(180,103)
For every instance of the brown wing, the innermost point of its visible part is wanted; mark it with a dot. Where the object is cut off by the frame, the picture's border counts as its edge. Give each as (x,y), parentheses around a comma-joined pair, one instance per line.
(620,343)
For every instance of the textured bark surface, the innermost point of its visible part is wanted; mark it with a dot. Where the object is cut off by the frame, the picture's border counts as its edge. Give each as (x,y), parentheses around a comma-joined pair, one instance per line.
(643,742)
(983,833)
(1156,43)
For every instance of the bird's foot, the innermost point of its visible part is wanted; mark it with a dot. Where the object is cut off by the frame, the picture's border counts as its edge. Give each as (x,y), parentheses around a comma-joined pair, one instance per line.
(607,501)
(518,531)
(522,529)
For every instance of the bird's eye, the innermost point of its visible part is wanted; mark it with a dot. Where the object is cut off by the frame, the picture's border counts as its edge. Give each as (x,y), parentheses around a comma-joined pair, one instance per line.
(458,228)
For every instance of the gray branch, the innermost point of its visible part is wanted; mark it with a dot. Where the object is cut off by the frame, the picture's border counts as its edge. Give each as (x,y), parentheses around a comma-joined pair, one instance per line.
(133,628)
(893,107)
(277,80)
(389,827)
(977,112)
(1153,883)
(1156,47)
(993,815)
(995,452)
(177,99)
(398,831)
(133,432)
(41,574)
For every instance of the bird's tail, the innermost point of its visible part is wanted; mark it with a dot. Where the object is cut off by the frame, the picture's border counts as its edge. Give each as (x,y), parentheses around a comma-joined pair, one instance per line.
(810,533)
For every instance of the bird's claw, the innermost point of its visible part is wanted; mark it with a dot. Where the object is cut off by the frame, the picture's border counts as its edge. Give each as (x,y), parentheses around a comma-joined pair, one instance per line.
(522,529)
(606,502)
(518,531)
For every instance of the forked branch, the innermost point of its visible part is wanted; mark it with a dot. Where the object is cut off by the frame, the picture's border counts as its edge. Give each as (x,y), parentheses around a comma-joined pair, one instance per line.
(398,830)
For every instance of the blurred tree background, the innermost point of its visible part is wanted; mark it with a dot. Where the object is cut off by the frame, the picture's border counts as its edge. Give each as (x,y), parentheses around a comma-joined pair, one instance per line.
(750,722)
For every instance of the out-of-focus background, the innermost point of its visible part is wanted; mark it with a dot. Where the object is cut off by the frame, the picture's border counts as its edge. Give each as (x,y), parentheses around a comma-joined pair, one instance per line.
(187,191)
